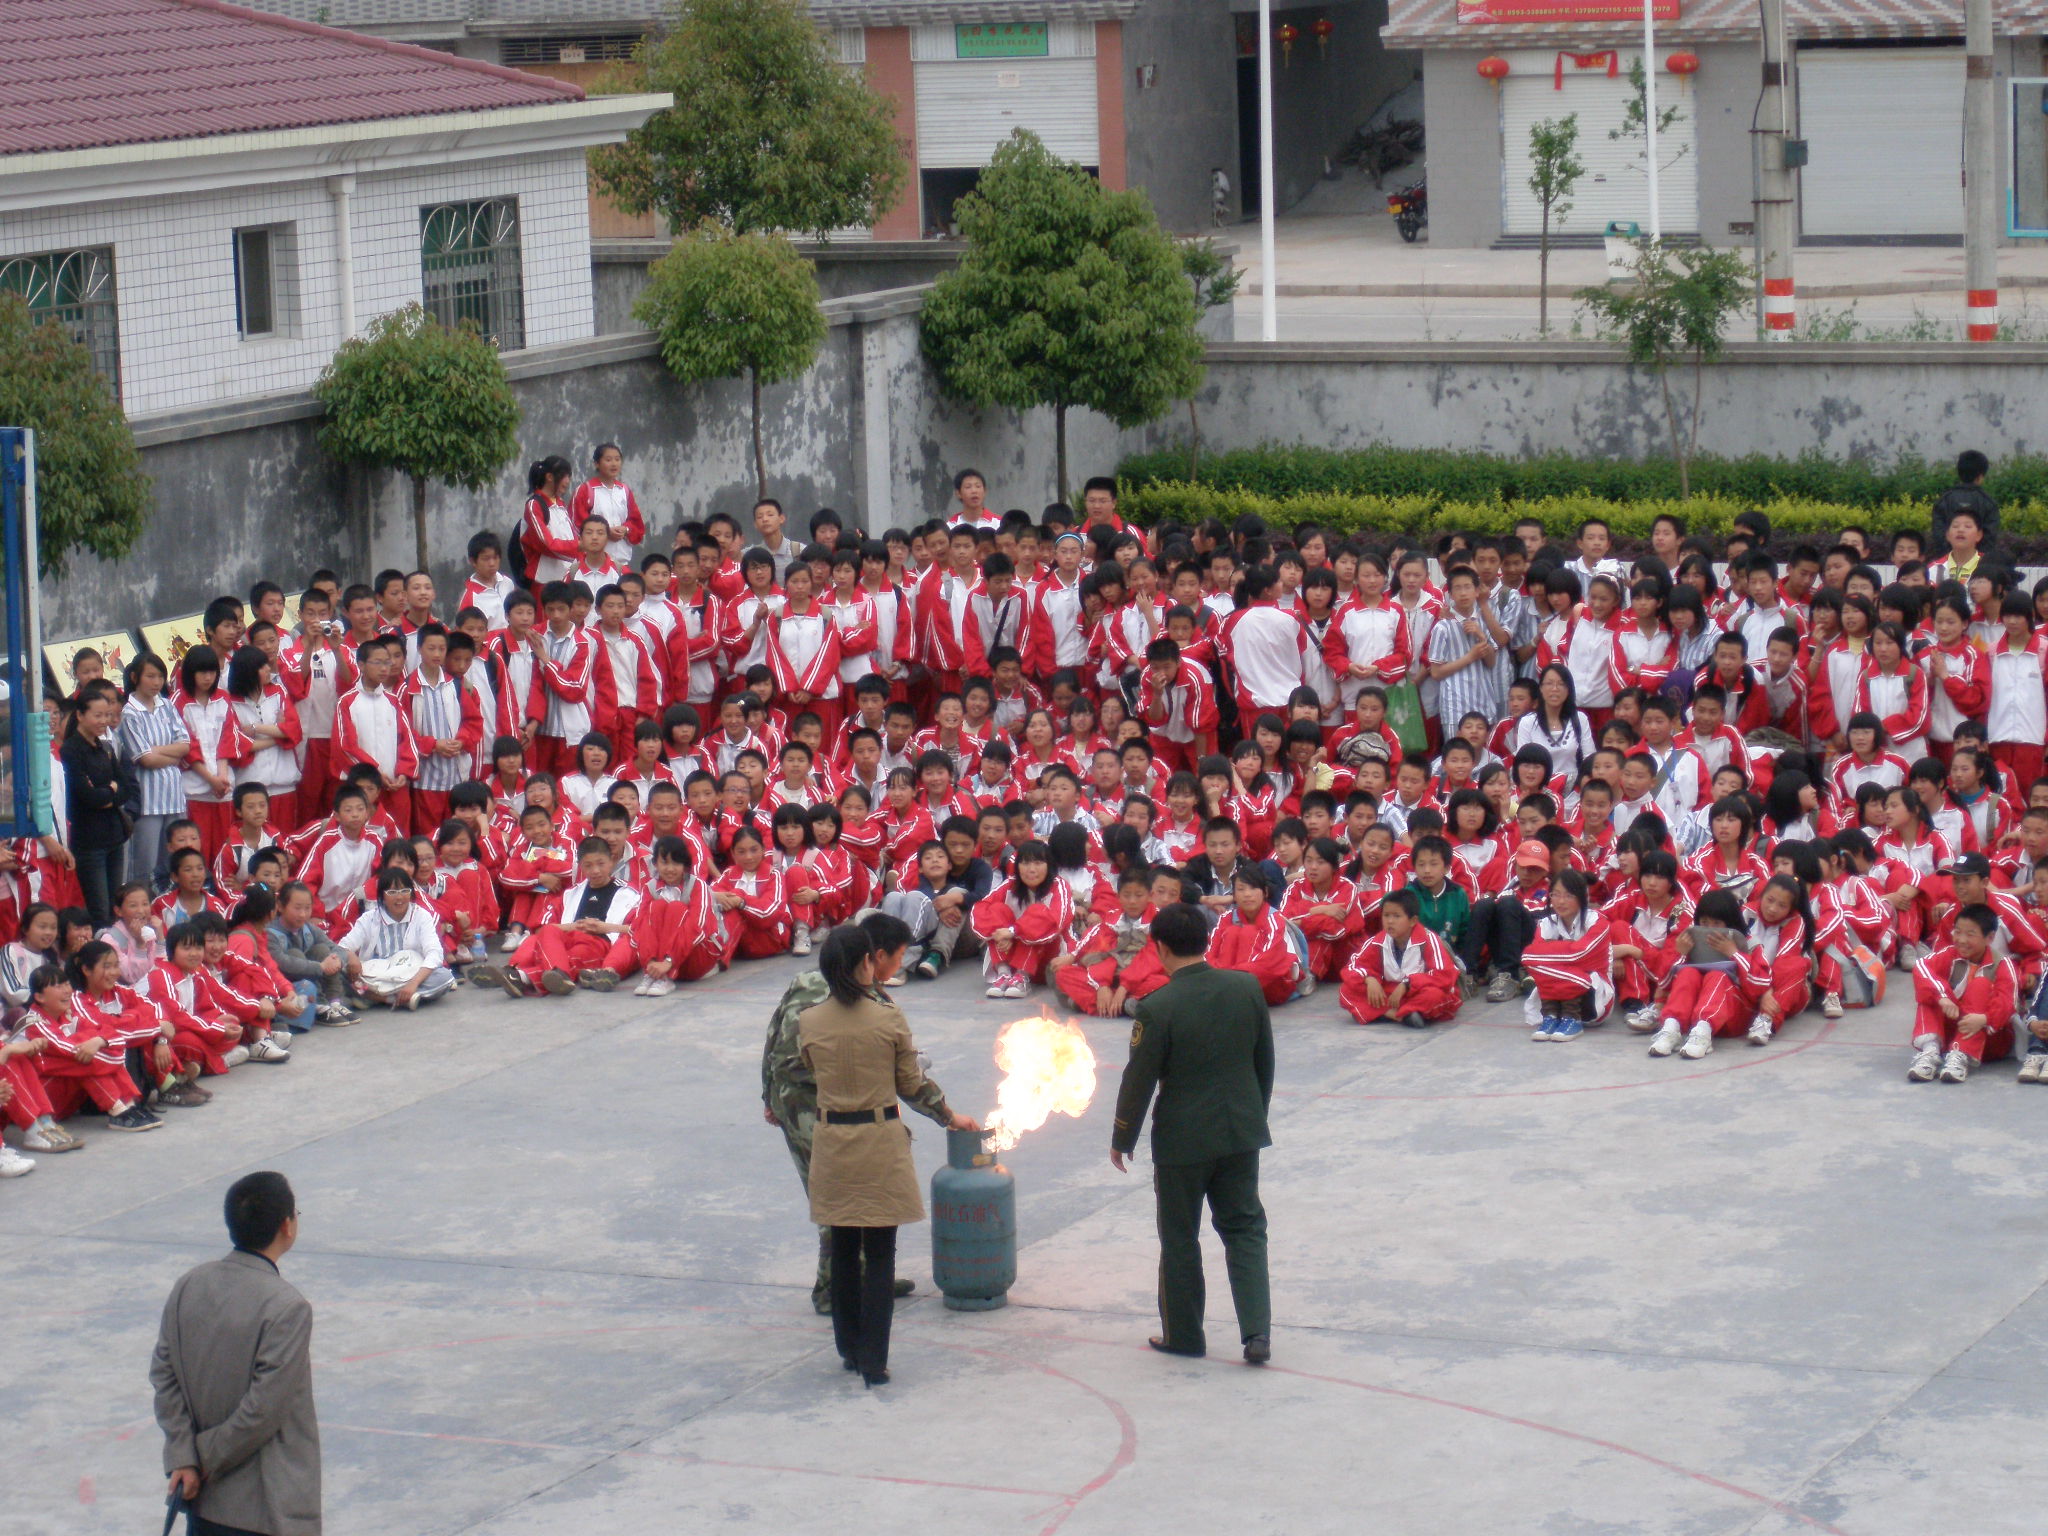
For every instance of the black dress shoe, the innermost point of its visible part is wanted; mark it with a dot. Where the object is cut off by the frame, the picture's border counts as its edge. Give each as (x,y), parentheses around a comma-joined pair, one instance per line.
(1174,1349)
(878,1379)
(904,1286)
(1258,1349)
(849,1362)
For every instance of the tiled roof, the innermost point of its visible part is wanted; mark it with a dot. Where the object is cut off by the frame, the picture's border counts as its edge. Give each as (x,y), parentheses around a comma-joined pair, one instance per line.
(1434,23)
(80,74)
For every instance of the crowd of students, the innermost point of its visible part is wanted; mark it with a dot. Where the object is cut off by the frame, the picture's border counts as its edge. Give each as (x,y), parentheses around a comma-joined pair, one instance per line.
(1707,792)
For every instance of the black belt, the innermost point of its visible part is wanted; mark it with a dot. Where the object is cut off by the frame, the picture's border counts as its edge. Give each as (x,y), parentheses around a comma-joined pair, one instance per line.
(859,1116)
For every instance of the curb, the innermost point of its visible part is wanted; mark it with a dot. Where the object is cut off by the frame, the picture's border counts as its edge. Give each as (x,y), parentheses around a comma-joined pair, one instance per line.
(1533,290)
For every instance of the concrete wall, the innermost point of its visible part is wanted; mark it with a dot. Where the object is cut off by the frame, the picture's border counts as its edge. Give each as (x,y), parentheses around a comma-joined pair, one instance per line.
(246,493)
(1184,124)
(1462,113)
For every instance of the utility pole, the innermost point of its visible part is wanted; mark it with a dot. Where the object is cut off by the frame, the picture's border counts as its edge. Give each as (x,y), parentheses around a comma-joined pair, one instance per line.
(1775,208)
(1650,116)
(1269,280)
(1980,176)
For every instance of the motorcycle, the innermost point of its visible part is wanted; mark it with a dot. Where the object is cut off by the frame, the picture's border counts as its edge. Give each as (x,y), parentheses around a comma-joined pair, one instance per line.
(1410,208)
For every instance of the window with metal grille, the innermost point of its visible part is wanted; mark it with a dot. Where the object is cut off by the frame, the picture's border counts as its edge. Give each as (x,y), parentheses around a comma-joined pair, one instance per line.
(588,48)
(76,290)
(469,267)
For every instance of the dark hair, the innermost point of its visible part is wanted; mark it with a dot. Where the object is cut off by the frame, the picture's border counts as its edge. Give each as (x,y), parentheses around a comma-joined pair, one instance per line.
(257,1207)
(1982,915)
(1181,931)
(839,962)
(885,931)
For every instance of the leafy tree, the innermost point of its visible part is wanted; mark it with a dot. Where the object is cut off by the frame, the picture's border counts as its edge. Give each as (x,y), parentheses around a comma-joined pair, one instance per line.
(1554,170)
(430,402)
(724,304)
(1636,112)
(769,130)
(91,493)
(1216,282)
(1675,314)
(1069,295)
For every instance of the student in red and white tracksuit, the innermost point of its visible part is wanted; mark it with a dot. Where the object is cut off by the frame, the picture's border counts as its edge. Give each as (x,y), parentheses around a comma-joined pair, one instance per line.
(605,495)
(1571,960)
(803,652)
(1023,923)
(1267,648)
(628,681)
(1765,984)
(676,934)
(218,746)
(64,1031)
(1110,969)
(591,916)
(1648,918)
(1177,703)
(446,723)
(568,686)
(751,897)
(1252,937)
(1404,972)
(1324,906)
(370,726)
(1964,999)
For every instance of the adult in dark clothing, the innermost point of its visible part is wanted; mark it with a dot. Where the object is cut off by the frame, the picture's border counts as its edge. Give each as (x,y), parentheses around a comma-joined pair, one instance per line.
(1204,1041)
(1214,869)
(233,1375)
(98,786)
(1967,495)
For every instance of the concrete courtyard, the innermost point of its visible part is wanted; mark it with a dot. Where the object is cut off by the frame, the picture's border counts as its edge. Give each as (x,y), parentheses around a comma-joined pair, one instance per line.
(561,1271)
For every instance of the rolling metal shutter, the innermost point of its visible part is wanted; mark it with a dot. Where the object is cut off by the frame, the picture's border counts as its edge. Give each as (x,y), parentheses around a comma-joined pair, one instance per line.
(966,107)
(1615,185)
(1884,128)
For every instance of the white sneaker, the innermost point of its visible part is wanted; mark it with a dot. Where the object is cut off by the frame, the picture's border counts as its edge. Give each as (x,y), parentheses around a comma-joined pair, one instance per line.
(13,1165)
(640,989)
(1926,1061)
(1831,1006)
(2030,1072)
(660,987)
(48,1136)
(235,1057)
(801,944)
(1955,1067)
(514,937)
(1666,1039)
(269,1050)
(1644,1020)
(1699,1041)
(1020,985)
(1760,1031)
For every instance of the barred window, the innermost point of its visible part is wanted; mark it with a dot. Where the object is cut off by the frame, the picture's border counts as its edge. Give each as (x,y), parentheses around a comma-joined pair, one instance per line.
(76,290)
(469,261)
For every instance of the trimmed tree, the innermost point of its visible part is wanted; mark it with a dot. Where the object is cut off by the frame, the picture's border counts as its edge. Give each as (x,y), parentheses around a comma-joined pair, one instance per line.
(414,396)
(724,304)
(1069,295)
(1554,170)
(1675,314)
(769,130)
(91,493)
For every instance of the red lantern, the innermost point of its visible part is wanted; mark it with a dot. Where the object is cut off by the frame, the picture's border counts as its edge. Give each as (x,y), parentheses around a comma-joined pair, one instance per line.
(1324,29)
(1493,68)
(1683,62)
(1289,34)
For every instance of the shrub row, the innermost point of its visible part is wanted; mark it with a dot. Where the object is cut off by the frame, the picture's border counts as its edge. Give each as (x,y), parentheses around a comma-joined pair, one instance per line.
(1793,519)
(1278,470)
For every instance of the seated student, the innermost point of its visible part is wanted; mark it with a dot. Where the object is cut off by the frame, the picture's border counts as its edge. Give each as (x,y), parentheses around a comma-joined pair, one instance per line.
(240,956)
(307,958)
(393,952)
(2020,937)
(1116,963)
(462,893)
(1023,923)
(23,1101)
(952,879)
(137,937)
(1324,906)
(81,1057)
(1445,908)
(751,896)
(1765,980)
(1646,920)
(188,896)
(575,935)
(675,933)
(1965,999)
(35,944)
(1571,961)
(537,870)
(217,1025)
(1502,926)
(1214,870)
(1404,972)
(1252,937)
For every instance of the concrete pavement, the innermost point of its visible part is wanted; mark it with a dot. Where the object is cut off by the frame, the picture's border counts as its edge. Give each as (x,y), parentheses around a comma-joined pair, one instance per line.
(561,1269)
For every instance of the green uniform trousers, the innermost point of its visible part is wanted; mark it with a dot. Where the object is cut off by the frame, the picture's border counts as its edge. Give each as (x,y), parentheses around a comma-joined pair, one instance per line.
(1231,1187)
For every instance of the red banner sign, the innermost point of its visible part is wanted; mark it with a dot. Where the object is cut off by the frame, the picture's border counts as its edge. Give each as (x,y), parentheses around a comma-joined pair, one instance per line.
(1577,12)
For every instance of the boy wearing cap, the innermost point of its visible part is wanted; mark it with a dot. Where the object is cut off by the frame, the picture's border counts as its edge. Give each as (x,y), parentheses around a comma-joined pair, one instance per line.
(2020,937)
(1503,925)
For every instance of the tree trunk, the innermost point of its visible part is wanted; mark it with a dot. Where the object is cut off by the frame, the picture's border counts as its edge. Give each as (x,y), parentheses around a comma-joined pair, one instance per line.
(1194,441)
(1692,436)
(1543,277)
(419,520)
(1671,425)
(1059,422)
(760,458)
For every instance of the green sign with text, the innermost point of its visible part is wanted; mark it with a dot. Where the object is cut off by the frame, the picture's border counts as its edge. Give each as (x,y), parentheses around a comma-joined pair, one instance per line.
(1000,40)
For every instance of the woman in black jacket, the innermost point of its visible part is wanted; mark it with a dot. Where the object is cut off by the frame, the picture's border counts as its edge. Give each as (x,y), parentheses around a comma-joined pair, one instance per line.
(99,785)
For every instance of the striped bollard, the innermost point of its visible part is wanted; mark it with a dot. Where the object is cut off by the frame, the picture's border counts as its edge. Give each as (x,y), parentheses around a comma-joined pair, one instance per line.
(1982,314)
(1780,308)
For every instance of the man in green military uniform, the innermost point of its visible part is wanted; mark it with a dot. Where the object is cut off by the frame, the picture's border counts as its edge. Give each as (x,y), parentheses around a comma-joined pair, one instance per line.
(789,1094)
(1205,1041)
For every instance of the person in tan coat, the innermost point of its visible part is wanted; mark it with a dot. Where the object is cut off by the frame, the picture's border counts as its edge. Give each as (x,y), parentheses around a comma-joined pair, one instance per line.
(858,1048)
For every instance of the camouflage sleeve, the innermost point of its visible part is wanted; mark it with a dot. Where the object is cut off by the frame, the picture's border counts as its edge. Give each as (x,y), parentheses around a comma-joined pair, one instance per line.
(783,1073)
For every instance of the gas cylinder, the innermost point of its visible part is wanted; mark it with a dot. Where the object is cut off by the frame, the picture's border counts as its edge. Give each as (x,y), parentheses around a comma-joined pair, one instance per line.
(974,1225)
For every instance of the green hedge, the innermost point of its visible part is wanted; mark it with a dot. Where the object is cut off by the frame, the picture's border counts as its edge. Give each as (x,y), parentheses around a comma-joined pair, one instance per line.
(1800,519)
(1277,470)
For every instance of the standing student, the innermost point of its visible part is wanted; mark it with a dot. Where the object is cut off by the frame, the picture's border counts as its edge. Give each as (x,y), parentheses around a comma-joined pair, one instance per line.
(217,747)
(98,786)
(1204,1043)
(547,532)
(605,495)
(154,743)
(233,1376)
(371,729)
(270,723)
(2016,723)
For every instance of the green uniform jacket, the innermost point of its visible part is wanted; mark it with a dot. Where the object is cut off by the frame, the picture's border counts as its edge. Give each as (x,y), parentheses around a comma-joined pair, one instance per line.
(1205,1041)
(1445,914)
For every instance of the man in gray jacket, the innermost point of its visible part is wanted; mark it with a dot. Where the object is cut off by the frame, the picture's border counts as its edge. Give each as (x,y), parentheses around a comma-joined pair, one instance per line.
(233,1374)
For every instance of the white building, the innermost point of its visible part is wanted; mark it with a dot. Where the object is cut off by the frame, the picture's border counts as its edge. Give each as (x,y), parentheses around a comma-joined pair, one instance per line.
(213,200)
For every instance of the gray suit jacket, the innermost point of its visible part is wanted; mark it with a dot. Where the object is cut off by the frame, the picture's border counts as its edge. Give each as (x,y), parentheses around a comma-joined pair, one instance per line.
(233,1374)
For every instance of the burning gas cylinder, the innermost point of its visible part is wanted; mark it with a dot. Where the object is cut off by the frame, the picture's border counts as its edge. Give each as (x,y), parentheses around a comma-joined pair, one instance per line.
(974,1225)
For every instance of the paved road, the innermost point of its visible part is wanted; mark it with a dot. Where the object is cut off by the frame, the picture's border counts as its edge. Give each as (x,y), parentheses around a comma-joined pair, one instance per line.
(561,1270)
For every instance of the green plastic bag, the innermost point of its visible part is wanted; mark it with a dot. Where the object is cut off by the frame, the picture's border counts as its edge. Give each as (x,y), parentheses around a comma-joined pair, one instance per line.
(1404,718)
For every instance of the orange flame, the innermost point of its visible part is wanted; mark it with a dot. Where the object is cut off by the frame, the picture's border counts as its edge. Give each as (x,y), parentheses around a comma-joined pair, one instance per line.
(1047,1066)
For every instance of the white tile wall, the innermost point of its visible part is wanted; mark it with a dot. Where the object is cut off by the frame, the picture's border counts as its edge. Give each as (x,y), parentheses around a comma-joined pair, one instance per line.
(175,284)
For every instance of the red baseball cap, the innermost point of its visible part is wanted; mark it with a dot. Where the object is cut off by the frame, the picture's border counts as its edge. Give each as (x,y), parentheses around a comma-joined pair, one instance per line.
(1533,852)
